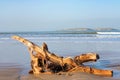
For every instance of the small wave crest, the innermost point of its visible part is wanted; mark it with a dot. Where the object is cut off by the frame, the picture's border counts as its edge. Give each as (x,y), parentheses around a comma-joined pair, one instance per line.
(108,32)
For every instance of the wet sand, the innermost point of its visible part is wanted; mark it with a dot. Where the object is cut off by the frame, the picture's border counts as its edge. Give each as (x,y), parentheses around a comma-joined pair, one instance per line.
(14,72)
(9,71)
(72,76)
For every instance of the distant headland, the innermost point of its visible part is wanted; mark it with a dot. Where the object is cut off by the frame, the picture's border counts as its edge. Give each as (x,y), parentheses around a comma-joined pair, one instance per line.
(87,30)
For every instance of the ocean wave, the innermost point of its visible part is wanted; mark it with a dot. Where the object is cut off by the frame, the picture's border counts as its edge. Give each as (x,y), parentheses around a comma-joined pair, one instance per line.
(66,37)
(108,32)
(108,36)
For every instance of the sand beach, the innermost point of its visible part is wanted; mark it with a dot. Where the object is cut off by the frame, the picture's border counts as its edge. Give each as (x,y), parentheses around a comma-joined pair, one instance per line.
(9,71)
(15,73)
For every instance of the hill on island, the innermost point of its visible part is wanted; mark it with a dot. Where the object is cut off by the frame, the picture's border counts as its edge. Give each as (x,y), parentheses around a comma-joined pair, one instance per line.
(106,30)
(87,30)
(78,30)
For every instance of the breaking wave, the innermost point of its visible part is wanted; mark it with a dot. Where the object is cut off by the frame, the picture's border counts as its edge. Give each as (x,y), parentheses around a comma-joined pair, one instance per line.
(108,32)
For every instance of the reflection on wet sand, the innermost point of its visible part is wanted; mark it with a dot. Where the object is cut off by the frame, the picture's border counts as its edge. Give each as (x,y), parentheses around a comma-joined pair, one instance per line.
(9,71)
(14,72)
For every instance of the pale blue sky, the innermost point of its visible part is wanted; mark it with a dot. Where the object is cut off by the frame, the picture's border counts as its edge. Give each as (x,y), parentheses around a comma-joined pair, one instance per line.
(41,15)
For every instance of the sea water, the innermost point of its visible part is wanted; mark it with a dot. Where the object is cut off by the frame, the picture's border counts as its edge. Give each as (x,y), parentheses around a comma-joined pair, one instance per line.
(62,44)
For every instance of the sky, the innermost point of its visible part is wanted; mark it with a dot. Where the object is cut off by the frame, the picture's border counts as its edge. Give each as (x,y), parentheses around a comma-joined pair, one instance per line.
(49,15)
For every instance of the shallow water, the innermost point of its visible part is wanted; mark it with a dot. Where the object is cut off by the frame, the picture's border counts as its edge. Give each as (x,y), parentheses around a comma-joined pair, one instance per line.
(107,46)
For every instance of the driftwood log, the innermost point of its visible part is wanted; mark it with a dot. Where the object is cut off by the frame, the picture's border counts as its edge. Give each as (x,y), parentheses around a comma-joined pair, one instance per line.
(44,61)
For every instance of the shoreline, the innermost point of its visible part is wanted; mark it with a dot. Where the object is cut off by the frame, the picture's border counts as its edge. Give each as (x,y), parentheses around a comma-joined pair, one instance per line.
(10,71)
(14,72)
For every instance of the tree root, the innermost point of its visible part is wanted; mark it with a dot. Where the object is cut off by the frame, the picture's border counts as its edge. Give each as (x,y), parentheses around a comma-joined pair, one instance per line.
(45,62)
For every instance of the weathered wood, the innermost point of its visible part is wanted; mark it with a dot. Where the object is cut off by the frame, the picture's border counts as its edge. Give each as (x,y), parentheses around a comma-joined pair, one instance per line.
(86,58)
(39,51)
(35,63)
(43,61)
(95,71)
(42,52)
